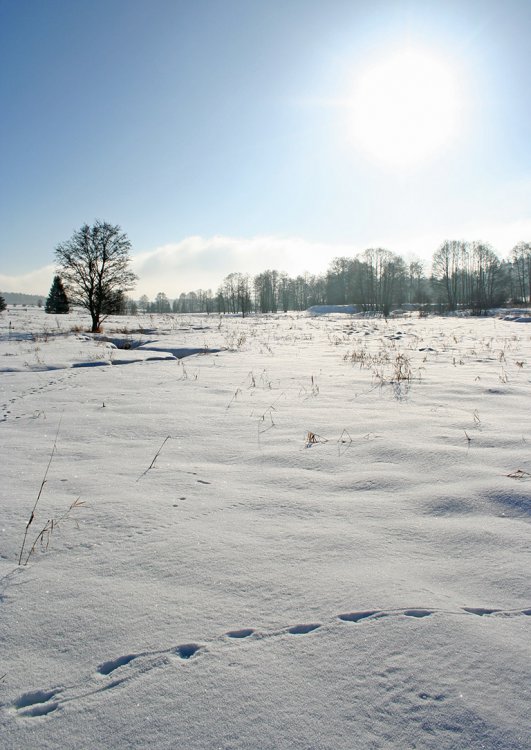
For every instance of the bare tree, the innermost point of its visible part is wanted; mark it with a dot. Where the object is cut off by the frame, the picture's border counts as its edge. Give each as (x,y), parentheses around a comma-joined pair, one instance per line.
(417,284)
(521,260)
(94,265)
(468,275)
(484,286)
(162,303)
(446,267)
(343,281)
(380,274)
(234,294)
(243,293)
(266,291)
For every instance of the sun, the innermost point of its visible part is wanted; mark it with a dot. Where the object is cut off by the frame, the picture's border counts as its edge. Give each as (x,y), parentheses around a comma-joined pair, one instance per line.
(405,108)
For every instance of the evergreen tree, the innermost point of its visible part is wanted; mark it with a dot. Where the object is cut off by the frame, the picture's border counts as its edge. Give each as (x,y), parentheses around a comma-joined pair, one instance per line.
(57,301)
(2,304)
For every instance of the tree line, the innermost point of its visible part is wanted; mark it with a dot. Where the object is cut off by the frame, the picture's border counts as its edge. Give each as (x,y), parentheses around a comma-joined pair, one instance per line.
(464,275)
(93,271)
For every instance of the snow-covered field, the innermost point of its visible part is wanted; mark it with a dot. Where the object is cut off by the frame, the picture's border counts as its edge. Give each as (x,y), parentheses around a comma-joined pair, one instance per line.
(310,533)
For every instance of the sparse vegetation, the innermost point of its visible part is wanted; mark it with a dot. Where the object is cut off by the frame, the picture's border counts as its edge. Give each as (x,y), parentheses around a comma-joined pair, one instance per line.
(157,454)
(519,474)
(43,538)
(247,480)
(313,439)
(43,482)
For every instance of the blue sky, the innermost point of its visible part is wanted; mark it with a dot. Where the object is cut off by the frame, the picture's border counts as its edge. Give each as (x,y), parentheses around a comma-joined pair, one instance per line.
(219,134)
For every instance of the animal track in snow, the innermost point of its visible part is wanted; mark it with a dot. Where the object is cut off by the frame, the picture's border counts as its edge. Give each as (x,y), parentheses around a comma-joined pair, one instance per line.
(303,629)
(33,697)
(243,633)
(428,697)
(36,703)
(357,616)
(482,611)
(109,666)
(187,650)
(40,703)
(417,612)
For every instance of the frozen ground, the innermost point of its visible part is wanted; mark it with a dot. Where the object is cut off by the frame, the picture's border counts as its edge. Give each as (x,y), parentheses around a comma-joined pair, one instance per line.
(330,551)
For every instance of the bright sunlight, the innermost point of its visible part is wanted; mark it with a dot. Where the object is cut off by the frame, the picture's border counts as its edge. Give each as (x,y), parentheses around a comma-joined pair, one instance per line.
(405,109)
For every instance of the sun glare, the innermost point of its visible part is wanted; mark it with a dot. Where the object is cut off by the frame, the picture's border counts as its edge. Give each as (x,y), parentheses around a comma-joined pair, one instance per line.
(405,109)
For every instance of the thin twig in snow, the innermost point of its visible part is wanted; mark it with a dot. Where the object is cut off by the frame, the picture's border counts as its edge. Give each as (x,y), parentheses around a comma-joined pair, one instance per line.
(45,534)
(154,458)
(32,515)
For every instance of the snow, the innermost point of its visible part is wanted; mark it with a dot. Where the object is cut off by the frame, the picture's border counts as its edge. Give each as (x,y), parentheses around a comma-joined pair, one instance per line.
(296,532)
(332,309)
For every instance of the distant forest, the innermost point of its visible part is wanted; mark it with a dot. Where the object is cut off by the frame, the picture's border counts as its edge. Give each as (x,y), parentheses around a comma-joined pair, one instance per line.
(464,275)
(17,298)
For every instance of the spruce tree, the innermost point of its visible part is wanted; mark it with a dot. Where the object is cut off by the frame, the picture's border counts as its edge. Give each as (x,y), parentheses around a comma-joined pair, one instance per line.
(2,304)
(57,301)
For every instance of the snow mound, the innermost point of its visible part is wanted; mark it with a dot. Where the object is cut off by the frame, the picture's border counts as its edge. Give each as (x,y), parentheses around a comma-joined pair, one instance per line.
(332,309)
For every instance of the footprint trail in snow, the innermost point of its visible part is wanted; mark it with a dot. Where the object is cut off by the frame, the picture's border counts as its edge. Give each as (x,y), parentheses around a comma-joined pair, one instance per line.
(44,702)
